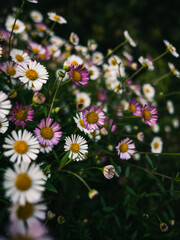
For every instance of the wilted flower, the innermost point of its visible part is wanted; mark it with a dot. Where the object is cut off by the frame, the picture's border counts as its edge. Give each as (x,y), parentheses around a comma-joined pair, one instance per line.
(109,171)
(38,98)
(92,193)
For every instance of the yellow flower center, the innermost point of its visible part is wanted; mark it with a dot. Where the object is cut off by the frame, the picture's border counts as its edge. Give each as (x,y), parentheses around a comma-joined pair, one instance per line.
(81,122)
(19,58)
(147,90)
(23,182)
(173,69)
(171,48)
(43,146)
(20,147)
(82,100)
(31,74)
(21,115)
(113,62)
(35,50)
(156,145)
(56,18)
(0,124)
(42,56)
(21,237)
(74,62)
(76,76)
(47,133)
(74,147)
(132,108)
(93,133)
(146,115)
(92,117)
(25,212)
(123,147)
(16,27)
(91,73)
(11,71)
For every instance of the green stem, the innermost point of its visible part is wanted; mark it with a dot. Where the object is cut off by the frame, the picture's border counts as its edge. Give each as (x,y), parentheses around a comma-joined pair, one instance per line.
(160,56)
(162,77)
(135,73)
(172,93)
(80,178)
(115,49)
(171,154)
(130,116)
(23,116)
(47,35)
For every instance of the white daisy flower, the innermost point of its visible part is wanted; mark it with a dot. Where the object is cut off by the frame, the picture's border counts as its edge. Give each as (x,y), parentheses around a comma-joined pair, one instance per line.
(45,149)
(33,73)
(174,70)
(21,146)
(156,145)
(114,61)
(18,27)
(95,135)
(129,39)
(97,58)
(5,105)
(32,1)
(77,146)
(170,107)
(19,56)
(59,42)
(124,104)
(83,50)
(37,48)
(79,121)
(9,68)
(146,63)
(149,91)
(29,212)
(155,128)
(175,123)
(75,60)
(56,18)
(171,49)
(74,39)
(84,98)
(54,50)
(4,124)
(25,183)
(36,16)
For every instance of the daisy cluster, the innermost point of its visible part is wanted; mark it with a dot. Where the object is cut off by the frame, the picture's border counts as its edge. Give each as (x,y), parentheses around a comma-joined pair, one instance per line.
(55,87)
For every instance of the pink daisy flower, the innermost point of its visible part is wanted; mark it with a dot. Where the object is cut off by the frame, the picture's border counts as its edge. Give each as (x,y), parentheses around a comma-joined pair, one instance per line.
(19,114)
(9,68)
(134,107)
(47,133)
(93,117)
(149,114)
(126,148)
(79,74)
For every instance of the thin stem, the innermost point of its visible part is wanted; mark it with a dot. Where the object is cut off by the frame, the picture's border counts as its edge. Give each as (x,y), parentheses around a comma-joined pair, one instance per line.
(115,49)
(80,178)
(160,56)
(130,116)
(23,115)
(49,32)
(161,78)
(171,94)
(135,73)
(172,154)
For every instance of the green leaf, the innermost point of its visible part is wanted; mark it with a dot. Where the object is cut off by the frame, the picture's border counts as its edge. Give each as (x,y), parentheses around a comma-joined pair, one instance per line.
(149,160)
(64,159)
(172,189)
(127,172)
(55,154)
(108,209)
(50,187)
(131,191)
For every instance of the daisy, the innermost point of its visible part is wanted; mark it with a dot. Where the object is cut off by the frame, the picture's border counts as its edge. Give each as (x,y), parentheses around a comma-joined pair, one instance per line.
(92,45)
(174,70)
(97,58)
(4,124)
(94,72)
(21,146)
(74,39)
(38,98)
(171,49)
(83,97)
(92,193)
(93,117)
(95,135)
(33,73)
(149,114)
(79,121)
(175,122)
(124,104)
(78,74)
(32,1)
(170,107)
(114,61)
(156,145)
(146,63)
(56,18)
(19,56)
(25,183)
(129,39)
(75,60)
(36,16)
(9,68)
(18,27)
(108,171)
(47,133)
(45,149)
(155,128)
(59,42)
(28,213)
(21,113)
(5,105)
(134,107)
(77,146)
(125,148)
(37,48)
(54,50)
(149,91)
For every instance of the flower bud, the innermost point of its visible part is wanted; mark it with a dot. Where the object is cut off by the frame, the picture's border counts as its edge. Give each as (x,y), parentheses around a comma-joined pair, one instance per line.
(38,98)
(92,193)
(12,93)
(66,66)
(109,171)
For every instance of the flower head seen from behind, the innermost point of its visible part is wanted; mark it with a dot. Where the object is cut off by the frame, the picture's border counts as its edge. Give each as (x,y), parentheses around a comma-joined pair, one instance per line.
(48,132)
(125,148)
(74,39)
(25,183)
(77,146)
(78,74)
(174,70)
(129,39)
(134,107)
(149,114)
(21,146)
(163,227)
(93,118)
(171,49)
(109,171)
(92,193)
(33,73)
(146,63)
(20,114)
(156,145)
(56,18)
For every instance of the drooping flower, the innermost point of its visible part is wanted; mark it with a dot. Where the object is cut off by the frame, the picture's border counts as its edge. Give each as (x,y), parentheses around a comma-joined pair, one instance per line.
(74,39)
(25,183)
(129,39)
(156,145)
(174,70)
(149,114)
(4,123)
(33,73)
(109,171)
(126,148)
(134,107)
(21,113)
(56,18)
(77,146)
(171,49)
(92,193)
(47,133)
(93,117)
(5,105)
(78,74)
